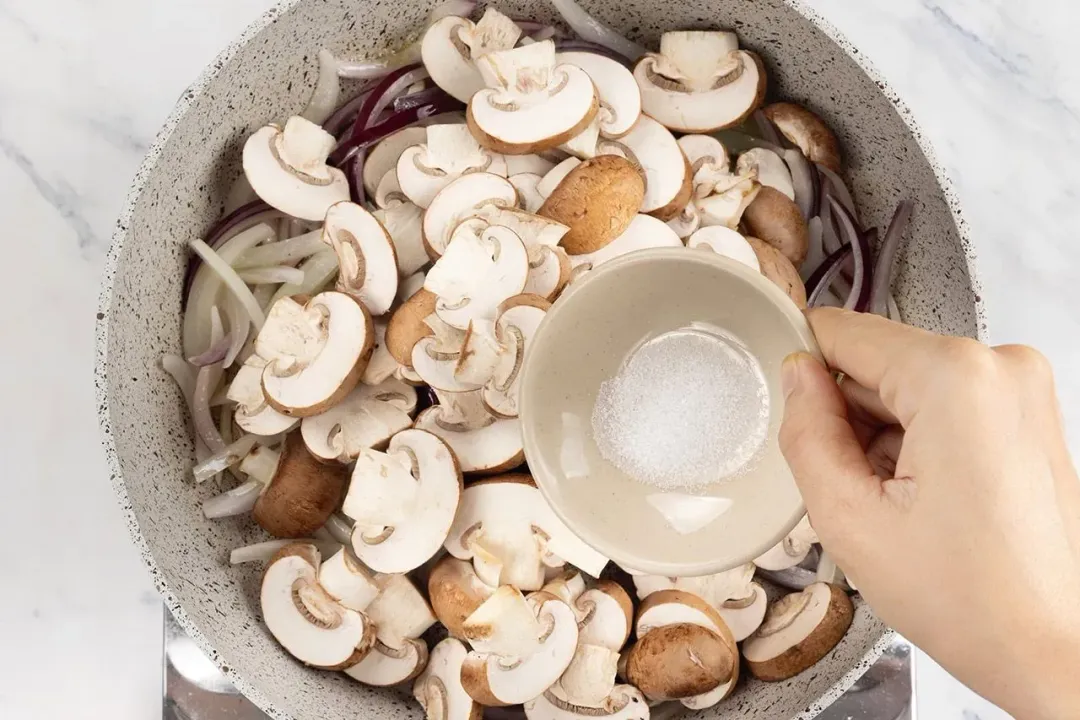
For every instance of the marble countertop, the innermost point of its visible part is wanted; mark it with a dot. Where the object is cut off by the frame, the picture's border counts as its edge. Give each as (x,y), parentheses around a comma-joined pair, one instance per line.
(83,90)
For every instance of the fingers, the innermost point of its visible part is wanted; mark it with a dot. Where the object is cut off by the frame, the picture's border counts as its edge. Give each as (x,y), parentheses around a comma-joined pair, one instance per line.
(837,481)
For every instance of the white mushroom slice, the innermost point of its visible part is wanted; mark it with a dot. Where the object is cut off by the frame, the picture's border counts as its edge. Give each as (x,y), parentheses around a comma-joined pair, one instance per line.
(411,285)
(463,411)
(624,703)
(493,682)
(491,448)
(727,242)
(438,688)
(790,551)
(528,193)
(799,630)
(556,175)
(568,587)
(535,231)
(590,676)
(366,418)
(456,591)
(514,329)
(367,261)
(450,152)
(287,169)
(527,165)
(583,144)
(315,353)
(727,208)
(403,501)
(309,624)
(388,192)
(700,81)
(451,44)
(714,589)
(767,168)
(644,232)
(480,354)
(744,615)
(383,158)
(460,199)
(605,615)
(252,412)
(399,612)
(531,103)
(435,357)
(477,272)
(687,222)
(385,666)
(347,581)
(709,164)
(505,624)
(673,607)
(652,147)
(404,222)
(549,274)
(620,98)
(382,365)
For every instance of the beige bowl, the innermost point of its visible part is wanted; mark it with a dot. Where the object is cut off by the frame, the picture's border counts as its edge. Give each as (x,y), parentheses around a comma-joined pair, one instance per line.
(583,341)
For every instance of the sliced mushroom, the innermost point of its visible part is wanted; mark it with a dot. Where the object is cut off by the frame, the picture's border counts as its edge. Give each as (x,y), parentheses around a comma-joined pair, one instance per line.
(456,591)
(480,268)
(625,702)
(549,267)
(727,242)
(809,132)
(714,589)
(366,258)
(687,222)
(605,615)
(767,168)
(438,688)
(315,353)
(299,492)
(460,199)
(727,207)
(348,581)
(597,200)
(404,222)
(304,619)
(700,81)
(556,175)
(411,285)
(643,233)
(799,630)
(527,165)
(745,615)
(484,449)
(672,607)
(527,185)
(518,320)
(531,103)
(790,551)
(382,365)
(590,676)
(776,219)
(252,412)
(709,164)
(384,666)
(620,98)
(451,45)
(287,169)
(776,267)
(504,624)
(679,661)
(436,358)
(500,680)
(366,418)
(668,176)
(399,612)
(568,586)
(407,325)
(403,501)
(383,158)
(450,152)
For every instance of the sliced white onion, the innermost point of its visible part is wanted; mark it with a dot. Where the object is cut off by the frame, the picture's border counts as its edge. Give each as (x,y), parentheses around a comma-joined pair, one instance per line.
(339,528)
(271,275)
(236,286)
(319,269)
(327,92)
(239,329)
(259,552)
(285,252)
(224,458)
(182,373)
(239,500)
(592,30)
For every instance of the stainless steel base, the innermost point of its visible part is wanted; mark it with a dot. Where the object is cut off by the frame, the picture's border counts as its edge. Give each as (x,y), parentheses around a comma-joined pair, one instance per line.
(194,689)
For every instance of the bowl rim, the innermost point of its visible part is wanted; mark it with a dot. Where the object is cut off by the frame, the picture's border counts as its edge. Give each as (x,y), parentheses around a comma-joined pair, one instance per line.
(120,234)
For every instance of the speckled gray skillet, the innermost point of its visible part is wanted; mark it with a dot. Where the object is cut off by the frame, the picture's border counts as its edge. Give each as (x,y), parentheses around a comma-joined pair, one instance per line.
(266,75)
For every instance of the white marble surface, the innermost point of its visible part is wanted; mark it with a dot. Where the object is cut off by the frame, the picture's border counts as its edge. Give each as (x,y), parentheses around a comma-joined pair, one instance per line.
(83,88)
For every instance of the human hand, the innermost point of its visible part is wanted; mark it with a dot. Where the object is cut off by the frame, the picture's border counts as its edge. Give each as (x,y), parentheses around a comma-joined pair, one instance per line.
(937,476)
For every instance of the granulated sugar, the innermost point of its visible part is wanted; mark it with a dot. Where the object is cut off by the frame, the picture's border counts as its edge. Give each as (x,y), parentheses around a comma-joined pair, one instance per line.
(686,409)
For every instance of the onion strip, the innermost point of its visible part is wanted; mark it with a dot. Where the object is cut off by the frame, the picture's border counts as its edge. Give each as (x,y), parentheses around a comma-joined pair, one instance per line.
(590,29)
(236,286)
(339,528)
(182,373)
(886,260)
(259,552)
(319,269)
(285,252)
(271,275)
(823,276)
(224,458)
(239,500)
(802,180)
(839,190)
(239,329)
(327,92)
(861,282)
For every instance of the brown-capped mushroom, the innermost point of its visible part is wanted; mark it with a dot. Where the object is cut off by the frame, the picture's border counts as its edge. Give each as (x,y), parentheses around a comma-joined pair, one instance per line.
(668,177)
(808,131)
(407,325)
(776,219)
(449,152)
(460,199)
(366,418)
(438,689)
(597,200)
(777,268)
(452,44)
(456,591)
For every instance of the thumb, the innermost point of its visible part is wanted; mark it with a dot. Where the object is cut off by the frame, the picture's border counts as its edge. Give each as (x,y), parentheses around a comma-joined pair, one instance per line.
(830,467)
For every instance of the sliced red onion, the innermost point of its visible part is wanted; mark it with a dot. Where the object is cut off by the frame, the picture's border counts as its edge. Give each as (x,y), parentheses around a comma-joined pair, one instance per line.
(839,190)
(355,174)
(236,222)
(239,500)
(815,251)
(590,29)
(224,458)
(802,180)
(206,382)
(213,354)
(830,237)
(767,129)
(220,267)
(343,118)
(389,85)
(416,99)
(894,310)
(859,297)
(547,32)
(823,276)
(886,259)
(366,138)
(327,92)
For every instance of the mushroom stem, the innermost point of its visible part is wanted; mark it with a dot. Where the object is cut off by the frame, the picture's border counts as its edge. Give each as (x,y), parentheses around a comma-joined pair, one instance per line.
(260,464)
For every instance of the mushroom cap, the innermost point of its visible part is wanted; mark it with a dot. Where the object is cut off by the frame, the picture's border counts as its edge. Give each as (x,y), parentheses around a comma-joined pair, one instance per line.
(253,414)
(346,580)
(556,175)
(590,676)
(698,83)
(456,591)
(450,152)
(550,274)
(383,157)
(704,149)
(799,630)
(727,206)
(624,703)
(515,329)
(438,688)
(367,261)
(399,530)
(494,447)
(406,325)
(687,222)
(727,242)
(776,267)
(767,168)
(304,619)
(385,666)
(776,219)
(605,615)
(672,607)
(808,131)
(714,696)
(744,616)
(448,60)
(493,684)
(316,352)
(668,179)
(404,221)
(287,169)
(399,612)
(536,105)
(597,200)
(527,185)
(679,661)
(458,200)
(644,231)
(366,418)
(620,97)
(302,493)
(568,586)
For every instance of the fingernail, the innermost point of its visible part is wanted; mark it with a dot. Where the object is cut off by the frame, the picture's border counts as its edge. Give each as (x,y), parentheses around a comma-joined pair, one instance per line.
(789,373)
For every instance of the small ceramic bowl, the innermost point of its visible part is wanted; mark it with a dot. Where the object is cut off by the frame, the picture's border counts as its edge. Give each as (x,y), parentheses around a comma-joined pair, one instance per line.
(585,339)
